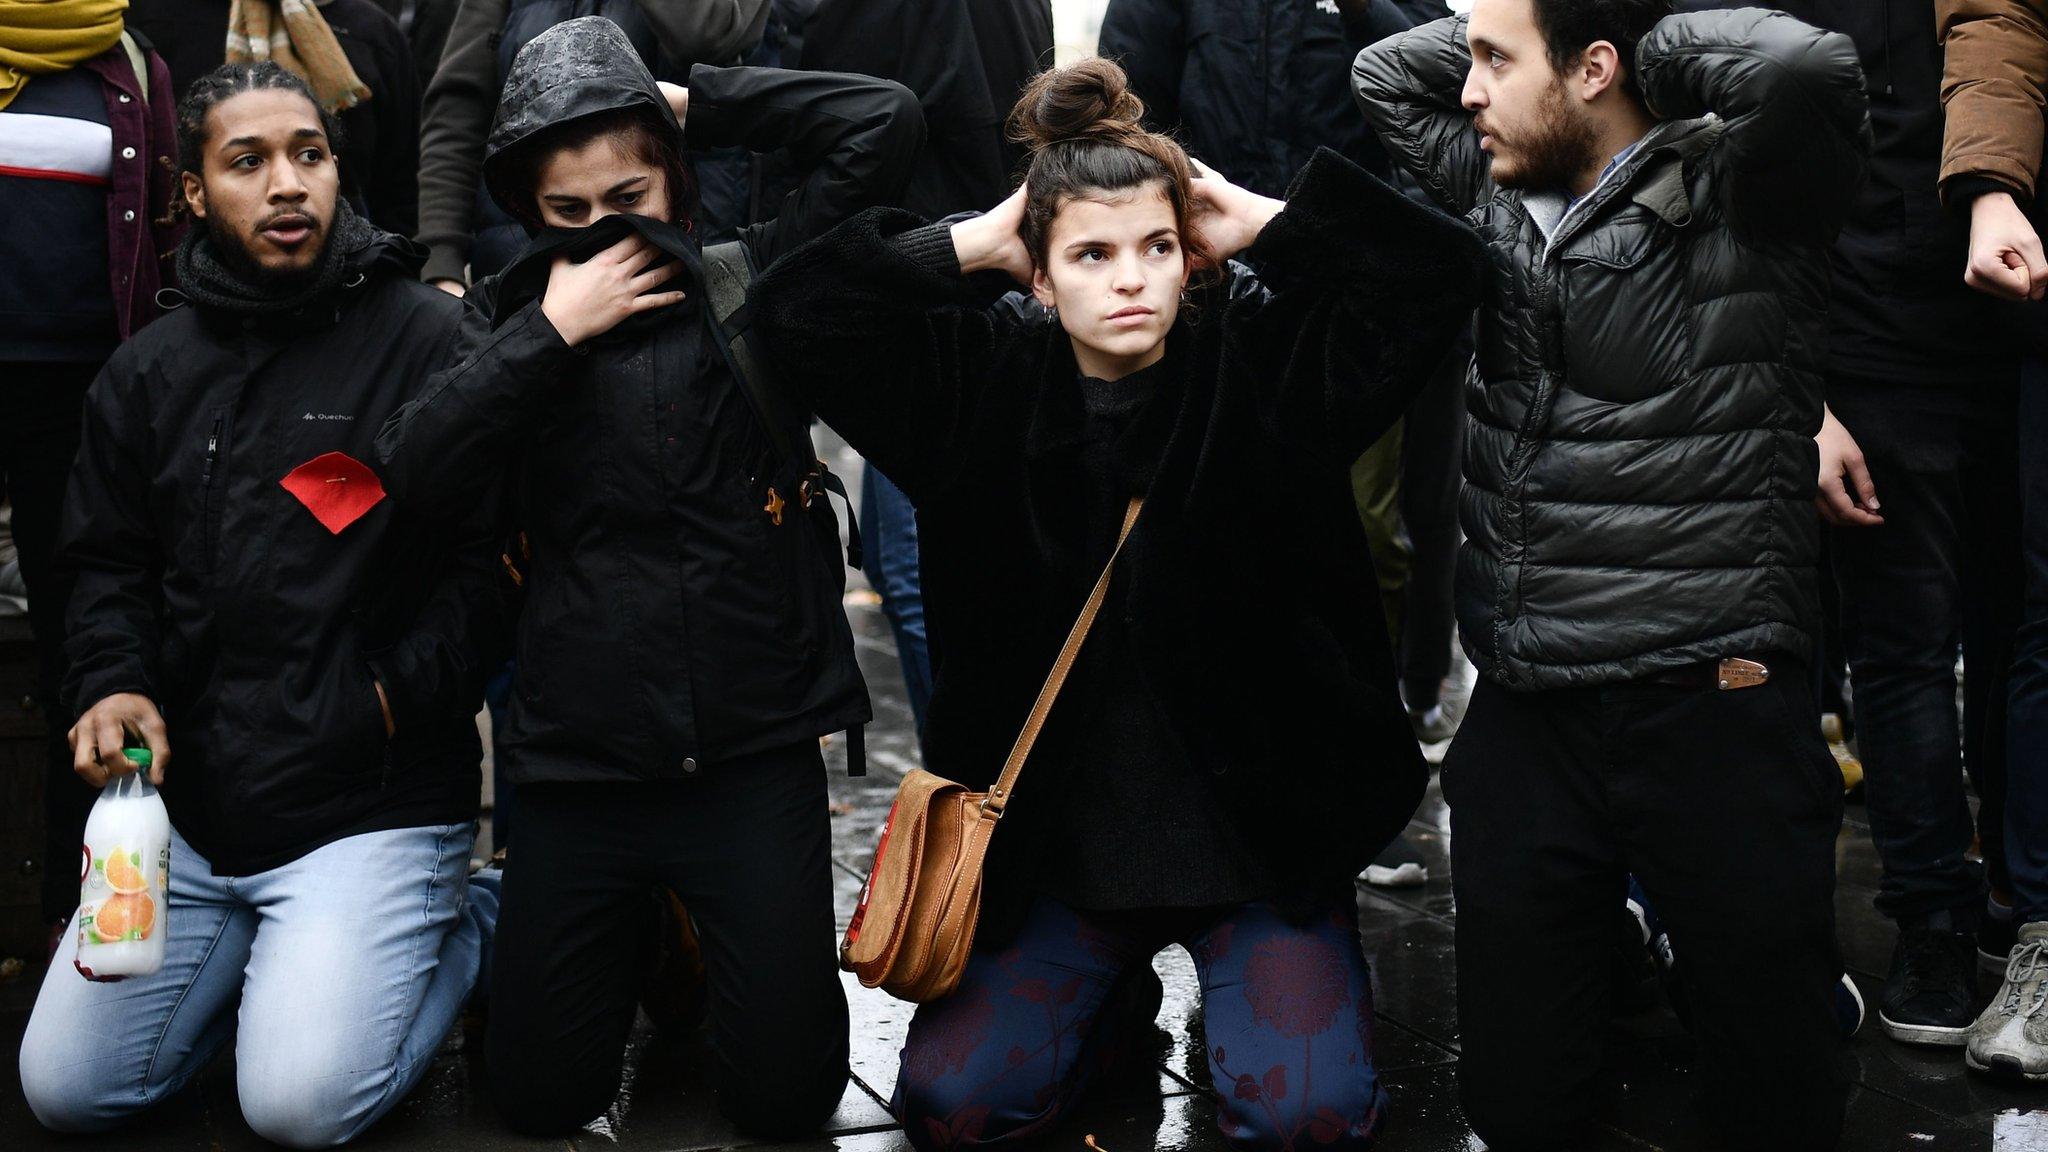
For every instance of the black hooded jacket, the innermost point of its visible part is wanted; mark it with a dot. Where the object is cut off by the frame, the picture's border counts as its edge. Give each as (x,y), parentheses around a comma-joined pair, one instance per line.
(668,618)
(206,584)
(1254,87)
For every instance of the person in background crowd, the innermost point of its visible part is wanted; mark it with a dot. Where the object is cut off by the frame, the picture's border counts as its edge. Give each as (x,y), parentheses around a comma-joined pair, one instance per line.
(683,645)
(1995,73)
(87,132)
(468,235)
(1638,585)
(370,85)
(248,599)
(1926,551)
(426,24)
(936,49)
(1250,713)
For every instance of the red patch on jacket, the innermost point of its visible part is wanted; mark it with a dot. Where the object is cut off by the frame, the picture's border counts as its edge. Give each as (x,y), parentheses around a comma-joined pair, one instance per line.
(336,488)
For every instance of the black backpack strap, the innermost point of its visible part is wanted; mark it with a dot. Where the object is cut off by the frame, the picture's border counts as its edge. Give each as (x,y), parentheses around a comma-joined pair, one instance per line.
(728,270)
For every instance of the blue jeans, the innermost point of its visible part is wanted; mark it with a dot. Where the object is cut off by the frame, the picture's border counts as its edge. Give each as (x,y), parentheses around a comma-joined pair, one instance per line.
(2026,811)
(1287,1012)
(889,530)
(349,965)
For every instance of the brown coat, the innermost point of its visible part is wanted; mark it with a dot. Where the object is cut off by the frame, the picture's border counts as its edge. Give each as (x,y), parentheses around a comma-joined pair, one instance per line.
(1993,88)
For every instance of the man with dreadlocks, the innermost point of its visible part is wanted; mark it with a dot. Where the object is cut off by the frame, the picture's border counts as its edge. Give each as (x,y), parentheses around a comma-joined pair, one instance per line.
(248,599)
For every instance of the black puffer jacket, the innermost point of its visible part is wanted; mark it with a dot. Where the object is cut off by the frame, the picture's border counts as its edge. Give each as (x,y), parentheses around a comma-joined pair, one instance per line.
(206,585)
(1239,591)
(1640,467)
(667,619)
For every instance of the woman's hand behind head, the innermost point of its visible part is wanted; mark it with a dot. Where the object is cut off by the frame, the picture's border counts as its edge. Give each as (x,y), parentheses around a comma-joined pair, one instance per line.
(994,241)
(1229,217)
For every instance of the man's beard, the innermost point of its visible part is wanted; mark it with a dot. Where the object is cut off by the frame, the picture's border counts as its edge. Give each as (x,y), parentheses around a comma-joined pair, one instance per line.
(233,253)
(1560,146)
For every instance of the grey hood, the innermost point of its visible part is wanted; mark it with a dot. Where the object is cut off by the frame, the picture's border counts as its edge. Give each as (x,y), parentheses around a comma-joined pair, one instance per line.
(577,68)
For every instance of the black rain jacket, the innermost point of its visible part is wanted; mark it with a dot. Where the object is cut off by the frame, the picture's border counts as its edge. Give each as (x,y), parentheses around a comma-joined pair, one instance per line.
(668,619)
(206,585)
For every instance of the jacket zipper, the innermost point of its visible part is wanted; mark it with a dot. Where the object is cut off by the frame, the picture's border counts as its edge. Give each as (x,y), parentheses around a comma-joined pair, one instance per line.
(206,488)
(212,452)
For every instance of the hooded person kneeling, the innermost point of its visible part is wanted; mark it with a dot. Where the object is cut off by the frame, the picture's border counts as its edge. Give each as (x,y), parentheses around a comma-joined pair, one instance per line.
(682,647)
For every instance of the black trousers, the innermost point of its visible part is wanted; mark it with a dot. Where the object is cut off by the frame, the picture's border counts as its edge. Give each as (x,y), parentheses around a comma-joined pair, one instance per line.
(1944,569)
(41,405)
(747,845)
(1725,806)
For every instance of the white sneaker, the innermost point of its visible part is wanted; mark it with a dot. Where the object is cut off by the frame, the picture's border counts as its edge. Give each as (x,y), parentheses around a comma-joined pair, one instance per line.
(1399,865)
(2010,1039)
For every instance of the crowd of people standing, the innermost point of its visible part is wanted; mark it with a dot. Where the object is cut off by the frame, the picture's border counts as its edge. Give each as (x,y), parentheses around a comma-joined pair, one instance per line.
(366,363)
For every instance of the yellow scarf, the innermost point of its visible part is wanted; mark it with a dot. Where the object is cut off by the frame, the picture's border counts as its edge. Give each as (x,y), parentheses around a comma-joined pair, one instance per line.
(38,37)
(293,33)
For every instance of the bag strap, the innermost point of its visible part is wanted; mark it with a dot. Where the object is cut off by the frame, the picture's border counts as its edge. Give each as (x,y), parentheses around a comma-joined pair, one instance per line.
(728,270)
(992,806)
(727,273)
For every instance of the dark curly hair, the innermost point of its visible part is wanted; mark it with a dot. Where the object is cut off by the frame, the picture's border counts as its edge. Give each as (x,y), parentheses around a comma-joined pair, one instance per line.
(1569,26)
(226,82)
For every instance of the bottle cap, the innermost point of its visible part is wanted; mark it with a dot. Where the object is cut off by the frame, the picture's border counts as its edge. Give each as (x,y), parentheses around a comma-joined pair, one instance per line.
(140,757)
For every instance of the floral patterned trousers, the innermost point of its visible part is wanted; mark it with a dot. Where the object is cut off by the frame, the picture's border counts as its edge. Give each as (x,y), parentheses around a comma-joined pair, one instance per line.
(1287,1011)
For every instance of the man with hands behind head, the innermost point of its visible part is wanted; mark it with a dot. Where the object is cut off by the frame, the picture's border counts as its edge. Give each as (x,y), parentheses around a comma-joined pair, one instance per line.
(1638,584)
(299,654)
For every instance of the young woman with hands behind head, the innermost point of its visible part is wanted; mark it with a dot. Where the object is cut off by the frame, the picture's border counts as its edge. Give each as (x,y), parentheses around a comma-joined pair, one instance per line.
(1231,750)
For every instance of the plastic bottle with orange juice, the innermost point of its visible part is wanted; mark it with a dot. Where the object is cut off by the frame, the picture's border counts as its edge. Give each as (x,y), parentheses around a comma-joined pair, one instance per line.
(123,893)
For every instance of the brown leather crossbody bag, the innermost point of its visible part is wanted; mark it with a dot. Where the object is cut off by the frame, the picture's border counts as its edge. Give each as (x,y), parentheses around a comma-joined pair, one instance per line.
(915,925)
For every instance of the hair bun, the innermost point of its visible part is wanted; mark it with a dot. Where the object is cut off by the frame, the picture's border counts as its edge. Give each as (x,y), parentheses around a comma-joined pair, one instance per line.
(1088,100)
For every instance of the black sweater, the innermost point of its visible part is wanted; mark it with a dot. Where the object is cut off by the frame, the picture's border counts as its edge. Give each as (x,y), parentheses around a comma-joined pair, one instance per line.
(1138,826)
(1246,590)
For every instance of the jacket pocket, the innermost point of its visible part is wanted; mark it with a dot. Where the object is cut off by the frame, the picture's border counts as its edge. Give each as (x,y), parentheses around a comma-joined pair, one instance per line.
(362,718)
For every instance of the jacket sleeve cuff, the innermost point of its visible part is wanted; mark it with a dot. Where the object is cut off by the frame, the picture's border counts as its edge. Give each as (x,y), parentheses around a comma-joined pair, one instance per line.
(930,247)
(445,262)
(1959,192)
(2003,170)
(94,687)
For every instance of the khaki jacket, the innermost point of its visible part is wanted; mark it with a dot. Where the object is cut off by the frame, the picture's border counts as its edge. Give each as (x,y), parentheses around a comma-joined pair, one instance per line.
(1993,88)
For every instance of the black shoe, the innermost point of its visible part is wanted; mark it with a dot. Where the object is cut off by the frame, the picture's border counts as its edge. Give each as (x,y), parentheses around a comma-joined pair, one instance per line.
(673,991)
(1931,995)
(1995,940)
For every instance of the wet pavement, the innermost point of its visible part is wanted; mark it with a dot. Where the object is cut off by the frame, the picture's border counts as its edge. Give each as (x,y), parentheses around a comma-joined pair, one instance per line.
(1905,1098)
